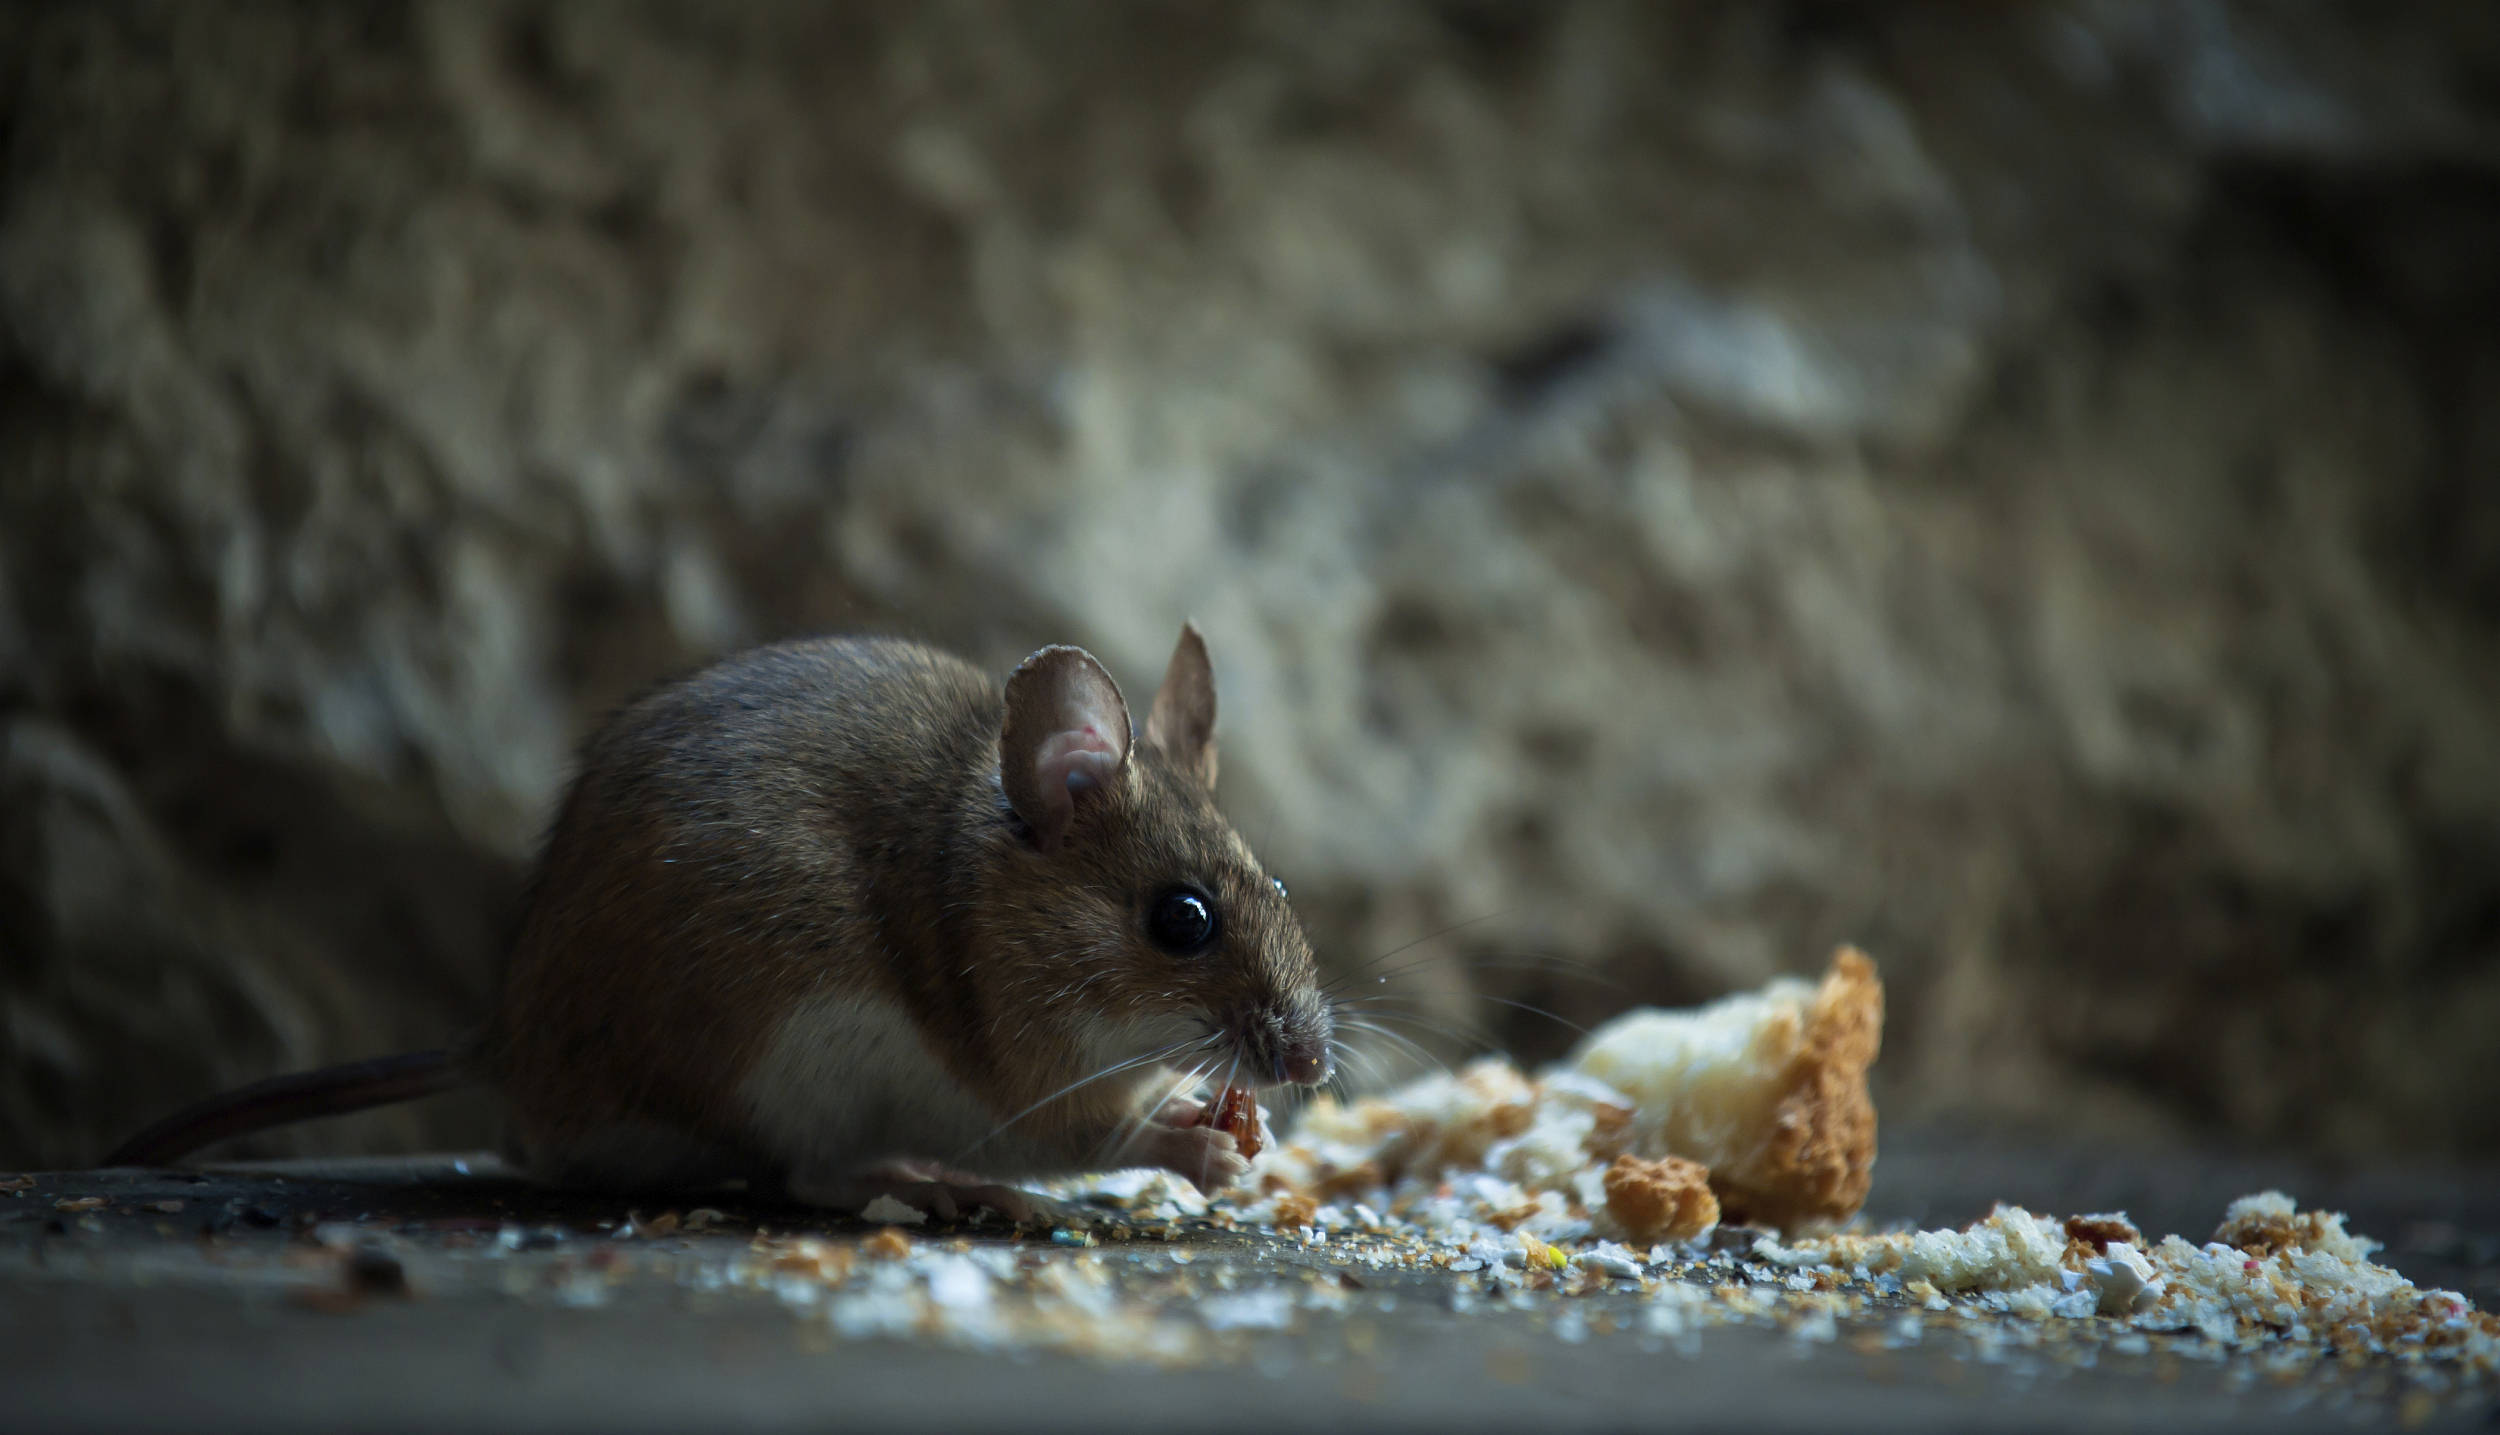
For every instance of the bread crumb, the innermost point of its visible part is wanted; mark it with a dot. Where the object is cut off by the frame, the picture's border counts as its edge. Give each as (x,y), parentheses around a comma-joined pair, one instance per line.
(2099,1229)
(1766,1088)
(2009,1250)
(1663,1200)
(2267,1224)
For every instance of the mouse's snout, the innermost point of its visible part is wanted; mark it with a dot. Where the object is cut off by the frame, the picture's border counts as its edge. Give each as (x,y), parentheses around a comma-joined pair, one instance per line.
(1306,1066)
(1290,1046)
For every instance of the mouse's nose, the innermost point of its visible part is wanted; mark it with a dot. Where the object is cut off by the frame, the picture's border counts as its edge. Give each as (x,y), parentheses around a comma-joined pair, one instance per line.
(1292,1040)
(1305,1065)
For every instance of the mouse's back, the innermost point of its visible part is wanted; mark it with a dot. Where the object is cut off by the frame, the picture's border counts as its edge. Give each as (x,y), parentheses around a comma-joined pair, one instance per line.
(733,844)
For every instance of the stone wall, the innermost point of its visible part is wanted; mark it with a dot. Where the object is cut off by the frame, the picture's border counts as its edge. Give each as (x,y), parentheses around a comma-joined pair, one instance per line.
(1671,487)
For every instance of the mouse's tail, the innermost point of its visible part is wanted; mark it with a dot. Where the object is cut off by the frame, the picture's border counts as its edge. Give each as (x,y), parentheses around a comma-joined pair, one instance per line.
(297,1096)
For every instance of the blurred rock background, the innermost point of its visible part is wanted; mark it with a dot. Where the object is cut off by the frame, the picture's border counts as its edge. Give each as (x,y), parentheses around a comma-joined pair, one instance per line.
(1674,487)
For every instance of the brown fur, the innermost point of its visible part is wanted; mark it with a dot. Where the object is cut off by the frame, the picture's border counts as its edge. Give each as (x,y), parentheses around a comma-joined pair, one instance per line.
(828,817)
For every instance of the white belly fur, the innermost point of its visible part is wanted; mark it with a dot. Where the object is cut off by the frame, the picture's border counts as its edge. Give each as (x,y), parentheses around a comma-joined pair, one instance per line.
(847,1082)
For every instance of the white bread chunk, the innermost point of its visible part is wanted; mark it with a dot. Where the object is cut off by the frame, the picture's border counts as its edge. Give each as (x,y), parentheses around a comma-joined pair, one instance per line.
(1767,1088)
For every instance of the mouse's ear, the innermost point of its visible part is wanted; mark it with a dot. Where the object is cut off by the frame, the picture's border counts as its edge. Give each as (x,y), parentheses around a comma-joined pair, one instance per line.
(1066,736)
(1182,721)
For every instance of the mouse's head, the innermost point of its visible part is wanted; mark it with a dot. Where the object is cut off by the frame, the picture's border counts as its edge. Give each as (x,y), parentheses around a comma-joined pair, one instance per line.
(1159,928)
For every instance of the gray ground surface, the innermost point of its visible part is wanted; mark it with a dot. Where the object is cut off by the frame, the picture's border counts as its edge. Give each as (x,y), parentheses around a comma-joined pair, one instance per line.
(222,1315)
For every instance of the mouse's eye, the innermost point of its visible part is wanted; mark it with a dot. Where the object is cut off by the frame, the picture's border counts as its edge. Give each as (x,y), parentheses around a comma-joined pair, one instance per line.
(1181,922)
(1280,888)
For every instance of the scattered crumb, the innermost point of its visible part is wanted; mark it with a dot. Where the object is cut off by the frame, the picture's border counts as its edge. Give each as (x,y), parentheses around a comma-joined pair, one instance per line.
(2123,1281)
(2311,1294)
(2266,1223)
(1664,1200)
(2098,1231)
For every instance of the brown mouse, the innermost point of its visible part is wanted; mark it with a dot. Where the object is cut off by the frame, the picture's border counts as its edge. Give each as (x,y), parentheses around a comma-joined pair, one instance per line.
(840,917)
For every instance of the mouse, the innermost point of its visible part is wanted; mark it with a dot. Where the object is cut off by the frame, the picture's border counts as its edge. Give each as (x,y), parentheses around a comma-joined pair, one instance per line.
(847,918)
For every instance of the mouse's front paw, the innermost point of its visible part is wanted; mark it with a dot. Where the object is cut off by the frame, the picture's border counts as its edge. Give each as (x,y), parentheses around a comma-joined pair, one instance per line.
(1180,1111)
(1205,1155)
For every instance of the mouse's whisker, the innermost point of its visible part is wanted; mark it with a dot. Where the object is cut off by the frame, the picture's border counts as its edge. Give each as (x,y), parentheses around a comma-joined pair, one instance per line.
(1478,1042)
(1112,1146)
(1109,1071)
(1289,1103)
(1539,1011)
(1550,963)
(1197,1056)
(1421,1014)
(1412,1011)
(1230,1072)
(1421,1051)
(1382,1076)
(1356,1056)
(1432,936)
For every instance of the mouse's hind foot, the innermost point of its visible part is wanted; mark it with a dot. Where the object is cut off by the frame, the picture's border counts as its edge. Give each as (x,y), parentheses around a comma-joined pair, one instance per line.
(924,1186)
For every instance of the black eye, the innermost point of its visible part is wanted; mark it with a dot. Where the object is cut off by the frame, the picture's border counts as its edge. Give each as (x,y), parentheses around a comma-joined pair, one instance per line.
(1280,888)
(1181,922)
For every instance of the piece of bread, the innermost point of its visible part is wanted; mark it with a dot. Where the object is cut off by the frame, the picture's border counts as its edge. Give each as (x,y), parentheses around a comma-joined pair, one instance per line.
(1663,1200)
(1766,1088)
